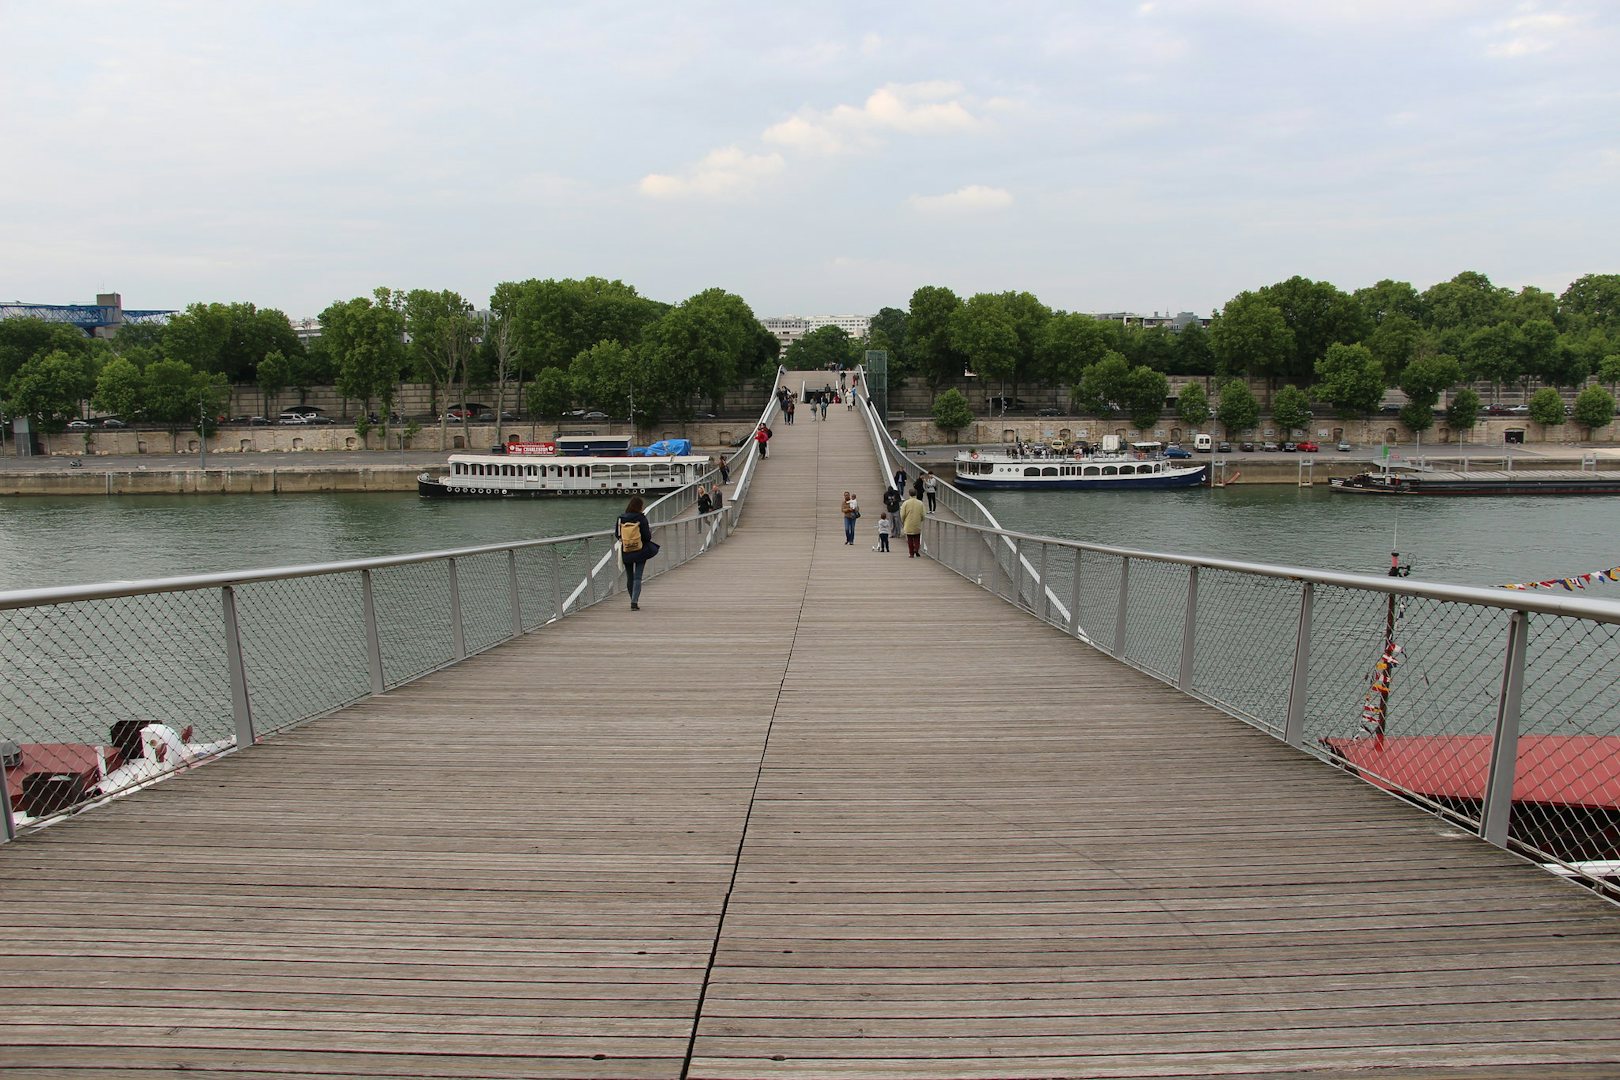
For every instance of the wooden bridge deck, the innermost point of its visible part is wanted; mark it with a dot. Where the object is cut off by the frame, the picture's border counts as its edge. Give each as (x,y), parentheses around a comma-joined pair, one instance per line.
(813,812)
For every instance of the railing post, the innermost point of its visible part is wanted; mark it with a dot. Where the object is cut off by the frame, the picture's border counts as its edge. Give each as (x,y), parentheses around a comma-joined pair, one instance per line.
(1040,586)
(1074,598)
(1124,607)
(1015,577)
(1299,685)
(556,581)
(517,598)
(458,638)
(241,706)
(1498,810)
(368,606)
(1189,631)
(8,823)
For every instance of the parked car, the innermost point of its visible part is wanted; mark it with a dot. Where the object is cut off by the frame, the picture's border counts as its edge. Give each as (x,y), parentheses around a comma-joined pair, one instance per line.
(1175,450)
(595,414)
(288,419)
(300,410)
(1518,410)
(1289,448)
(488,416)
(1308,447)
(1223,448)
(1247,447)
(318,419)
(79,425)
(112,423)
(1050,410)
(1496,408)
(1343,447)
(1269,447)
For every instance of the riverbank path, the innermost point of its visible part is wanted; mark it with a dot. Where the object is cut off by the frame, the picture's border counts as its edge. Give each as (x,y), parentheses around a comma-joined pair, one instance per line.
(769,827)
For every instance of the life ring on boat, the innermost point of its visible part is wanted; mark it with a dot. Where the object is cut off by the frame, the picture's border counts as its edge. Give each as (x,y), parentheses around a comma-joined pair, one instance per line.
(973,455)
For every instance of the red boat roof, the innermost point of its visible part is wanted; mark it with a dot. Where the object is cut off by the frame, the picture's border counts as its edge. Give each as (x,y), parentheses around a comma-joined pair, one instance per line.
(1560,770)
(79,759)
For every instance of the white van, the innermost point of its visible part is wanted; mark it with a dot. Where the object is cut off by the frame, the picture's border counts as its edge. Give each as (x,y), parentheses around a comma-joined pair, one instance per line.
(1203,444)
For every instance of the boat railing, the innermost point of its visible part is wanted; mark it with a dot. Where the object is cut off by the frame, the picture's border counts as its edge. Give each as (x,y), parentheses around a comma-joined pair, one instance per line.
(228,659)
(1493,707)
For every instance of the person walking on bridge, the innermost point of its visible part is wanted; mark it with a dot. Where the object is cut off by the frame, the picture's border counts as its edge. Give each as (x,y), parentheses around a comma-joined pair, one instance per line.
(635,547)
(930,486)
(912,513)
(763,437)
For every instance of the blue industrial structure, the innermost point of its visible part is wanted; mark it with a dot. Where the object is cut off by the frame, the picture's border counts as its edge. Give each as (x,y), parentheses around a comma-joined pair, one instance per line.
(98,319)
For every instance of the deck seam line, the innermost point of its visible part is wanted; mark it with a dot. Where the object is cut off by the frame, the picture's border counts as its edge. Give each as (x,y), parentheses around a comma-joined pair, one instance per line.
(753,794)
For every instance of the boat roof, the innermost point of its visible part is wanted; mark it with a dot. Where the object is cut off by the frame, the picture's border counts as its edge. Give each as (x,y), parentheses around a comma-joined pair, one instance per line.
(576,459)
(1563,770)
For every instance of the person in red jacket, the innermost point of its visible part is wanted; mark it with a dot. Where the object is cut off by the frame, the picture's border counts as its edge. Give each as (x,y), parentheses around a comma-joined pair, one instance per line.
(763,437)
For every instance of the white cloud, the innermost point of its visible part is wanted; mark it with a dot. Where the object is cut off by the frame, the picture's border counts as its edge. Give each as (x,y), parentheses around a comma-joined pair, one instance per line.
(1528,33)
(973,199)
(924,108)
(725,172)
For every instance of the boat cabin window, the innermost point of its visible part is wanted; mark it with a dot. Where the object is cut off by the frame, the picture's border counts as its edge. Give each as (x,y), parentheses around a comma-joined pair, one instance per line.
(1033,470)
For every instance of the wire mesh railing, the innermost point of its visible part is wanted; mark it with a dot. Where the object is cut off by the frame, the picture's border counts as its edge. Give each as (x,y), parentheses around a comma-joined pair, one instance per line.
(106,688)
(1490,707)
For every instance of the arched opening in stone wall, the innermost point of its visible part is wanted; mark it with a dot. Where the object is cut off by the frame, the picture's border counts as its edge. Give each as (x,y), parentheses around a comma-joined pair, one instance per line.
(298,444)
(458,443)
(246,446)
(349,443)
(191,446)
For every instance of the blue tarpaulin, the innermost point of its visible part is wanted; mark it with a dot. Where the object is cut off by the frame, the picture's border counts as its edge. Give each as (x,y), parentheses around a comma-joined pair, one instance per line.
(664,448)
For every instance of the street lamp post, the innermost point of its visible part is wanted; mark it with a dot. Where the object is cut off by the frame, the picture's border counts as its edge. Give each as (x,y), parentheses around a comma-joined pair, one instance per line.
(202,433)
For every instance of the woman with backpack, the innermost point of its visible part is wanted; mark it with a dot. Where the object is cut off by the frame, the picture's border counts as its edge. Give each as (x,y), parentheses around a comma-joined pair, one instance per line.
(635,546)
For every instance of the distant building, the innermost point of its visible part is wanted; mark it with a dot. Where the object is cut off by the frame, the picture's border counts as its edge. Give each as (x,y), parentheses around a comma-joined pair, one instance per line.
(790,328)
(1178,321)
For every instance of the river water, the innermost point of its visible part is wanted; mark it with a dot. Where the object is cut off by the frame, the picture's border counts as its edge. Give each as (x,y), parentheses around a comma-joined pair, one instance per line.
(69,541)
(1467,541)
(1476,541)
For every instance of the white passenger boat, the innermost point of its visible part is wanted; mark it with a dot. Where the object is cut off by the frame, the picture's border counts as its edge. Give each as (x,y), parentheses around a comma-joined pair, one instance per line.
(571,465)
(1057,472)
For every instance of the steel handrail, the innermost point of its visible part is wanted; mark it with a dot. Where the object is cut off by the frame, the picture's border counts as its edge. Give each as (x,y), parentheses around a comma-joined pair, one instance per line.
(1606,611)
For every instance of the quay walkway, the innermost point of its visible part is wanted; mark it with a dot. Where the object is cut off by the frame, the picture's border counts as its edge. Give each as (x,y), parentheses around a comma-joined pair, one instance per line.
(769,826)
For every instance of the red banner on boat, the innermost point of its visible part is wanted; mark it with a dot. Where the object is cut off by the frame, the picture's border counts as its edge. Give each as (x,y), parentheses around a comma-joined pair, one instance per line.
(531,448)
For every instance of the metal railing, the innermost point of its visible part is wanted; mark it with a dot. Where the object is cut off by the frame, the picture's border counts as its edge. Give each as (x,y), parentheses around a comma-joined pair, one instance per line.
(106,688)
(1494,707)
(964,507)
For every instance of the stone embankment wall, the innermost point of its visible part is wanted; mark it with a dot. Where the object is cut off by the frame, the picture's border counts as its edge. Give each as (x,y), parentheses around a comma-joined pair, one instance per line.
(298,438)
(1377,431)
(238,480)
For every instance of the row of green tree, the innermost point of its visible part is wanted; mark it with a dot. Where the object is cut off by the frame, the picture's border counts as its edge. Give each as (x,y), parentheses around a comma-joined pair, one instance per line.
(599,343)
(590,341)
(1295,331)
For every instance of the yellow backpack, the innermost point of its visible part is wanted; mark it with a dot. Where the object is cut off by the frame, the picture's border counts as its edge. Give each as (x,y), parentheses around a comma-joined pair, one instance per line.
(630,535)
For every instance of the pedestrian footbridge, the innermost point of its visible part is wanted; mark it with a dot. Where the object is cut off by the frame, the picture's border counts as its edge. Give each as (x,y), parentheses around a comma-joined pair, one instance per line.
(1019,809)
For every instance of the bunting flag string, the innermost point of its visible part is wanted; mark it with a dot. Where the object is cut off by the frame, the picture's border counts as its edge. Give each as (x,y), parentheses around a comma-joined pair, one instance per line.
(1570,584)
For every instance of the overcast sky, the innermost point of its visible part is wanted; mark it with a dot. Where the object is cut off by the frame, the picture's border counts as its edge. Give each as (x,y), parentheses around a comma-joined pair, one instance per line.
(815,158)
